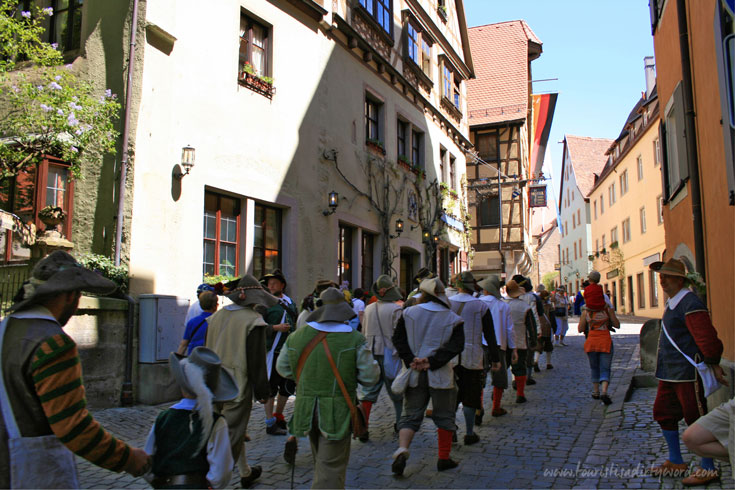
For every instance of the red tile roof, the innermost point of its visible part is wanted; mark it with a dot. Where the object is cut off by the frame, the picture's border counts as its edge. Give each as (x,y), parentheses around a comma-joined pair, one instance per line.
(588,158)
(500,90)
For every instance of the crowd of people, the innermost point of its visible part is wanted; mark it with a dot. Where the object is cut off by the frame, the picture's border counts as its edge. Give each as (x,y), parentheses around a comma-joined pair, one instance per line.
(433,350)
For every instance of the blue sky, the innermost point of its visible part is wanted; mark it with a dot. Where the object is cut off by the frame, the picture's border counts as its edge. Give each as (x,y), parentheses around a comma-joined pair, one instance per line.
(595,49)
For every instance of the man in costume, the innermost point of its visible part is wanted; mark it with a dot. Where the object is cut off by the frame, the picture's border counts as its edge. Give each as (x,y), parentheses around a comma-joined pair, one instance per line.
(281,319)
(42,376)
(686,328)
(321,409)
(236,333)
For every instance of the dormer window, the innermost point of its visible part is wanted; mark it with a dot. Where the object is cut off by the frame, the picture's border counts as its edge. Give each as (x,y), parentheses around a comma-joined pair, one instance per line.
(381,12)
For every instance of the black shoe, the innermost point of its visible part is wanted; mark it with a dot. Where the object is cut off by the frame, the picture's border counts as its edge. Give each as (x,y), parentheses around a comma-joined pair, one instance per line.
(514,384)
(275,430)
(255,472)
(395,428)
(399,464)
(471,439)
(282,424)
(446,464)
(289,452)
(521,399)
(454,436)
(365,437)
(549,366)
(536,368)
(530,381)
(478,416)
(605,399)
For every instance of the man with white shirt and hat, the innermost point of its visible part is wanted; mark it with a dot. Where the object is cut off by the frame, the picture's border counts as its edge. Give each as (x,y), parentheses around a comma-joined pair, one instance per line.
(478,330)
(503,324)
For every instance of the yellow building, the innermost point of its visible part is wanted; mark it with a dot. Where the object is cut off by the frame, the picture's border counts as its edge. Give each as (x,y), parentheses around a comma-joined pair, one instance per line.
(625,208)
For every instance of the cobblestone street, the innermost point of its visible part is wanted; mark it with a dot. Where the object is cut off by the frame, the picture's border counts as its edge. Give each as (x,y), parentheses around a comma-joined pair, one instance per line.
(561,438)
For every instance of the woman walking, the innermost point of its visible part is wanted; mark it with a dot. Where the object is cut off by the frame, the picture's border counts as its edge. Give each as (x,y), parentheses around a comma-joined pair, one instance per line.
(600,319)
(561,313)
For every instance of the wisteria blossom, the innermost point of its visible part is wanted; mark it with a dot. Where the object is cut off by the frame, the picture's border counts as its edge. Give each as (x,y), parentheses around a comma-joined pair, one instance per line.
(54,86)
(48,11)
(26,14)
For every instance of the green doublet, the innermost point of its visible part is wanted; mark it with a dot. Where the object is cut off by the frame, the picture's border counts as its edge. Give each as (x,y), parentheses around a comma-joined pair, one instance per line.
(178,433)
(317,388)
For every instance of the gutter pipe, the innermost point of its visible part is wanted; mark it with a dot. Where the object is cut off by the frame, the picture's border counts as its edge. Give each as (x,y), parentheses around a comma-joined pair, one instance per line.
(126,397)
(691,132)
(126,137)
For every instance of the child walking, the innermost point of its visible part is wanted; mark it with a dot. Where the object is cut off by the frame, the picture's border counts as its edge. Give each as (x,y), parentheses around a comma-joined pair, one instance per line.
(189,443)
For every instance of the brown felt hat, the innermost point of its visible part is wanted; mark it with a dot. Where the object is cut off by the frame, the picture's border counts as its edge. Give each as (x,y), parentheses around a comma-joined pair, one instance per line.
(59,273)
(672,267)
(334,308)
(253,291)
(513,289)
(434,287)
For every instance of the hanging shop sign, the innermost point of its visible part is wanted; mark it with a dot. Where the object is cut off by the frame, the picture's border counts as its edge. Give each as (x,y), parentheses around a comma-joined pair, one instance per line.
(537,196)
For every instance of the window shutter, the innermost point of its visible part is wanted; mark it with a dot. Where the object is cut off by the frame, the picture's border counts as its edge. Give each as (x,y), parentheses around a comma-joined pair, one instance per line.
(664,160)
(681,136)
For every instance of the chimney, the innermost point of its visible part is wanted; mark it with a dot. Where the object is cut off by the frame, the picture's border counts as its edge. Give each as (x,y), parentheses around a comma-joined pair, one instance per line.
(650,69)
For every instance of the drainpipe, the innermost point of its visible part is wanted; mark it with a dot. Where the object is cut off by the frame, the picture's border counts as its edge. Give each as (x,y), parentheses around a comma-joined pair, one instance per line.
(126,398)
(126,131)
(686,74)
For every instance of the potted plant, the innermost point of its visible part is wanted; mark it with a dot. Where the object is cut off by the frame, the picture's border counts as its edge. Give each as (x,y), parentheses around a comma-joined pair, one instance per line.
(404,162)
(375,145)
(442,11)
(51,216)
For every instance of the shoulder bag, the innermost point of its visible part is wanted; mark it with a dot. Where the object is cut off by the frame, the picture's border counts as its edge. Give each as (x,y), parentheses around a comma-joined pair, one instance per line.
(709,381)
(26,453)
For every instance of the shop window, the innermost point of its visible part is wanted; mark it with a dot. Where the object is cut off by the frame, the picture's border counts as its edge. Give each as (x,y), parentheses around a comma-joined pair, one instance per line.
(344,255)
(368,251)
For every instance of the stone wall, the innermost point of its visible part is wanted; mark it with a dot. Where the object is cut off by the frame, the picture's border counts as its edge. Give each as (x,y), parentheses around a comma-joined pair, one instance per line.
(98,328)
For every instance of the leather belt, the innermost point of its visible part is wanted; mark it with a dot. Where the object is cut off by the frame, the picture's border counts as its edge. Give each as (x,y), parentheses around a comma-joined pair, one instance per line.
(187,479)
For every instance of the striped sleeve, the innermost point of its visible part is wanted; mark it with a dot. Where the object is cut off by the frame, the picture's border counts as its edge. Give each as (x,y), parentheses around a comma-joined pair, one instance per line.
(57,376)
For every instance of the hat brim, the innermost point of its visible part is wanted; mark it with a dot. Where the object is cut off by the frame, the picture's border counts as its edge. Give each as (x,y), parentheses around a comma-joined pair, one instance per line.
(253,297)
(443,299)
(341,312)
(516,294)
(226,390)
(391,294)
(487,285)
(264,279)
(659,267)
(65,281)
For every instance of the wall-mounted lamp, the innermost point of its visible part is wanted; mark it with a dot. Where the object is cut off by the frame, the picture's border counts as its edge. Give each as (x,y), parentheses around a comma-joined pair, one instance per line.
(333,202)
(187,162)
(399,228)
(427,236)
(436,238)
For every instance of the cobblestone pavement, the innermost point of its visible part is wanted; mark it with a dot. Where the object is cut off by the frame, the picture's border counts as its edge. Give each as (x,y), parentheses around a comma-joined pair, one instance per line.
(560,438)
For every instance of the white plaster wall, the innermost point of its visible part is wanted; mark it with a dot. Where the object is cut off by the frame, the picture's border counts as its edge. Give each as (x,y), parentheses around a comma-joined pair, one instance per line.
(572,234)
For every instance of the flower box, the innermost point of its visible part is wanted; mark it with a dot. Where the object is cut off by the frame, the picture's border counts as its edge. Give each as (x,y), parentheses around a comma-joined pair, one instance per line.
(257,84)
(375,146)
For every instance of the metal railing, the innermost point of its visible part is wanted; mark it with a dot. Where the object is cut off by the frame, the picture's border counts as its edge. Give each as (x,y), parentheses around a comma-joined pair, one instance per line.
(12,277)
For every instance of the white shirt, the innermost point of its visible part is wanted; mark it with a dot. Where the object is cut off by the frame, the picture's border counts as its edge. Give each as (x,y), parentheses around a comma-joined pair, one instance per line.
(358,305)
(194,310)
(219,454)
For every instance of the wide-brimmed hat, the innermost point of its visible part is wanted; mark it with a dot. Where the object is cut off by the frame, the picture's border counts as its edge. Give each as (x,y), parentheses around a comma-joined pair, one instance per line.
(672,267)
(323,284)
(465,280)
(422,274)
(491,284)
(384,289)
(544,294)
(276,274)
(59,273)
(219,381)
(253,291)
(513,289)
(334,308)
(434,287)
(524,282)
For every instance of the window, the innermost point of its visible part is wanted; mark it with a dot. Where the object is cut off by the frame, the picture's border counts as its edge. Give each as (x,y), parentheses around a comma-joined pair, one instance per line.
(653,288)
(402,137)
(221,235)
(373,119)
(447,81)
(597,245)
(579,217)
(594,206)
(640,167)
(613,235)
(267,240)
(624,182)
(675,158)
(626,230)
(457,92)
(641,292)
(611,194)
(451,85)
(575,250)
(25,194)
(566,228)
(656,152)
(253,46)
(368,251)
(643,219)
(442,159)
(452,168)
(417,148)
(381,11)
(344,255)
(426,56)
(574,222)
(489,211)
(487,146)
(660,211)
(413,44)
(602,203)
(65,25)
(603,241)
(580,249)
